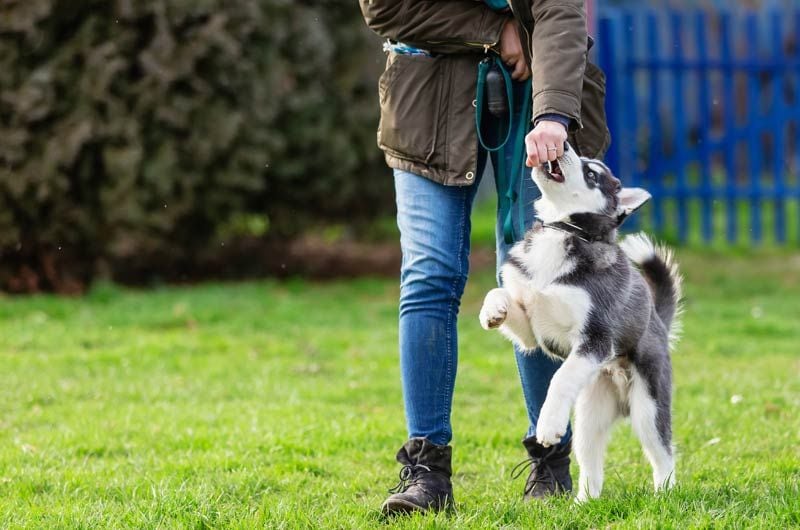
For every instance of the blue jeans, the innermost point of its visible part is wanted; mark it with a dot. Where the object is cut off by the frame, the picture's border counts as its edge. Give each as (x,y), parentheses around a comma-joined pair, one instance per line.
(434,223)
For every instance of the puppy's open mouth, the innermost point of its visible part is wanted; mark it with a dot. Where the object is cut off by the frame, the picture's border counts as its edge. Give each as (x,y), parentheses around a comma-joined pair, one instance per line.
(553,171)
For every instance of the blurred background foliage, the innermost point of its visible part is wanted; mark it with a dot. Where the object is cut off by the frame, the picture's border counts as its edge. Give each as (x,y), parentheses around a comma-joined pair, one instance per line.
(145,138)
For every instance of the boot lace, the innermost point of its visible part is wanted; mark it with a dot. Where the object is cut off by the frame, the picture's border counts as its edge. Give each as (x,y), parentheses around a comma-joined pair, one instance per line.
(540,470)
(408,477)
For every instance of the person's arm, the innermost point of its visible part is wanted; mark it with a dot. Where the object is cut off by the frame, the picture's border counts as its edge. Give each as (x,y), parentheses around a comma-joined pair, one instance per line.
(439,26)
(558,51)
(558,46)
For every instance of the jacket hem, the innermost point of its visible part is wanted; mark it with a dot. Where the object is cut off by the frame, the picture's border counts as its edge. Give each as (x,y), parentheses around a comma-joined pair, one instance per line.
(445,178)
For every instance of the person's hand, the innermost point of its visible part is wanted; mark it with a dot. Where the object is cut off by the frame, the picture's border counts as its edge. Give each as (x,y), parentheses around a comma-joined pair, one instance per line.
(511,51)
(545,142)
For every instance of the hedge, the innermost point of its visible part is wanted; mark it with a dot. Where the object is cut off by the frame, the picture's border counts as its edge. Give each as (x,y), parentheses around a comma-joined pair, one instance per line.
(137,136)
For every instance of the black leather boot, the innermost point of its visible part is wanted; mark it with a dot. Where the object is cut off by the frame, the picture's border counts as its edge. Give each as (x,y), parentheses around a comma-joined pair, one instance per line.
(549,469)
(424,479)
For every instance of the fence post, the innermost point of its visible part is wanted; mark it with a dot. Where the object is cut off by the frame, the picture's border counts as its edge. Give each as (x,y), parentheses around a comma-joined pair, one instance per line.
(608,63)
(754,129)
(655,143)
(706,122)
(730,134)
(778,127)
(680,135)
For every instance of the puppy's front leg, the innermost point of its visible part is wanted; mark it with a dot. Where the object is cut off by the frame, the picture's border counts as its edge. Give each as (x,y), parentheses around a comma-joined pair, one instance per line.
(573,375)
(501,311)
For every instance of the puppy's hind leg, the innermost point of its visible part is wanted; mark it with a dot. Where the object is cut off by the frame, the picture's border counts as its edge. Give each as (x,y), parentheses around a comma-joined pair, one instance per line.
(595,412)
(650,419)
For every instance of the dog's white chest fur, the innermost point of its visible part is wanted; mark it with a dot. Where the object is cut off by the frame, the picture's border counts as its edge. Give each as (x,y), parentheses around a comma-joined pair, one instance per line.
(556,312)
(544,257)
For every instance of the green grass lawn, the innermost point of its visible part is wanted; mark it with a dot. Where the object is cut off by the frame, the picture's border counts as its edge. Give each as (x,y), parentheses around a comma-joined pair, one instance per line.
(277,405)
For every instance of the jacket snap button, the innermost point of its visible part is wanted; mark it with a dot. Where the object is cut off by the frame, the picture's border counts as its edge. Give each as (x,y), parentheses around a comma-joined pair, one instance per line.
(470,175)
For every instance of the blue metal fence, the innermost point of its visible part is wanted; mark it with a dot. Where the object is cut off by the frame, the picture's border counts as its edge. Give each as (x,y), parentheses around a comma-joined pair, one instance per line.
(704,111)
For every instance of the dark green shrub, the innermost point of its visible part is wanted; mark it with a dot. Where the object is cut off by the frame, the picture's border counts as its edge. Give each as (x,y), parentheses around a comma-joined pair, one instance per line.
(134,132)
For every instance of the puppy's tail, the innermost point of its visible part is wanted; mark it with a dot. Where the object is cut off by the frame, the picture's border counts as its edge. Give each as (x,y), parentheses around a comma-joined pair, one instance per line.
(659,267)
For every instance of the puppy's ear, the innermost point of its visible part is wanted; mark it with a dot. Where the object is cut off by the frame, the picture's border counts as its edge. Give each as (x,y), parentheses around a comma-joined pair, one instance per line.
(630,200)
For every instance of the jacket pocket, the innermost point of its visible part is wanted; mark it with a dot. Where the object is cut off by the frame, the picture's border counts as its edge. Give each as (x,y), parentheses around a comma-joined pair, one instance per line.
(594,138)
(410,99)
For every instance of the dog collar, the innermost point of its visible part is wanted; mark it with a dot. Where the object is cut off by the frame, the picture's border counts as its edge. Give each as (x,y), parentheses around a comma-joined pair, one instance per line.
(567,228)
(588,227)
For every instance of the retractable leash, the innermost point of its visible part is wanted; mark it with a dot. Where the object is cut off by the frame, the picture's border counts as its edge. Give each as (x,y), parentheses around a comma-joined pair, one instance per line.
(492,75)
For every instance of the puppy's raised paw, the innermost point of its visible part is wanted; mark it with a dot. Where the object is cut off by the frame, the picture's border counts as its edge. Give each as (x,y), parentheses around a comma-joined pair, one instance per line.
(495,309)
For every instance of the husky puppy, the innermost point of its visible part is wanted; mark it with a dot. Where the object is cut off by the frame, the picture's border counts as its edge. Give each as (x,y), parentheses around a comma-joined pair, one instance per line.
(570,289)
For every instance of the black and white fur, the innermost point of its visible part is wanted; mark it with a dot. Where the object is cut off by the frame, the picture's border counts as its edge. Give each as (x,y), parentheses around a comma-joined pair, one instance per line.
(570,289)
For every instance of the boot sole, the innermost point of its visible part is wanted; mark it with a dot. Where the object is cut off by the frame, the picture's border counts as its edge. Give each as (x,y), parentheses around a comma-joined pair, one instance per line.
(398,507)
(401,507)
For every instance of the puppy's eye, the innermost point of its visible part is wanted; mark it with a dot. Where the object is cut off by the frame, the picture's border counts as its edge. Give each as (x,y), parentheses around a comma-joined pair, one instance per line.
(592,175)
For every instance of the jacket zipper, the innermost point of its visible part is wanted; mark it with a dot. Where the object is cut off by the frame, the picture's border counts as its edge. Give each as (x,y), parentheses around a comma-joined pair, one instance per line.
(485,45)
